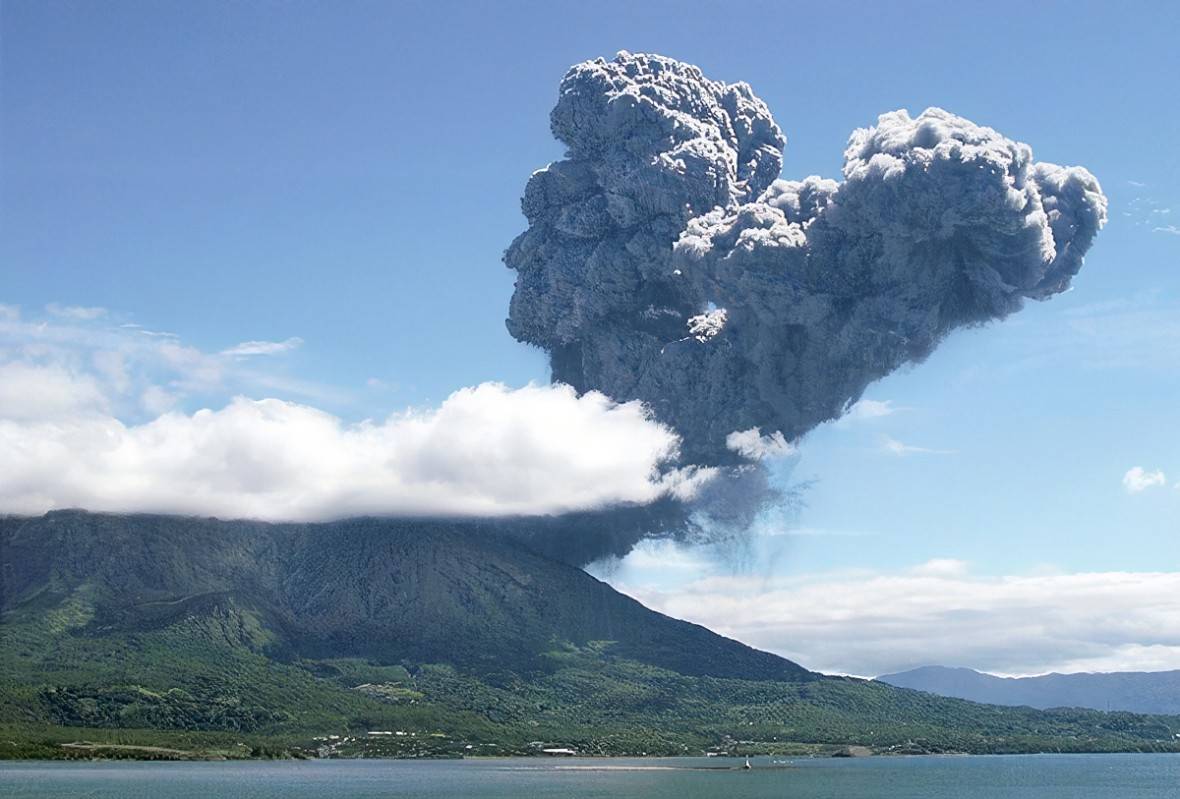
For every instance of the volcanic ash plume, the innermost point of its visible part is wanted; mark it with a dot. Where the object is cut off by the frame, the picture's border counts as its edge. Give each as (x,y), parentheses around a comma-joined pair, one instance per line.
(665,262)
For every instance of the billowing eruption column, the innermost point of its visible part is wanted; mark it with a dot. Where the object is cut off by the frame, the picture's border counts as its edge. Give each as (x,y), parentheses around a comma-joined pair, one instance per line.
(664,261)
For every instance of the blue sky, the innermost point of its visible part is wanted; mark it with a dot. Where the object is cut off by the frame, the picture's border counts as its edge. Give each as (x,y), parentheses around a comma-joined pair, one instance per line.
(349,175)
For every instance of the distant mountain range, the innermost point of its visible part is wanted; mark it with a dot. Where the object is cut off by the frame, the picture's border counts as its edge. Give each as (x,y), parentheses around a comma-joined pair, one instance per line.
(1134,691)
(165,636)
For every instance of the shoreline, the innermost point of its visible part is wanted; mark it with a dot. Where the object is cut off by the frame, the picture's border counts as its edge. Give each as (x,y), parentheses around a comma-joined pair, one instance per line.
(558,763)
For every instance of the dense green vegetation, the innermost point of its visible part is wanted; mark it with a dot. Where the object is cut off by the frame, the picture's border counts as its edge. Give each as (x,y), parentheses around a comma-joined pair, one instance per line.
(190,640)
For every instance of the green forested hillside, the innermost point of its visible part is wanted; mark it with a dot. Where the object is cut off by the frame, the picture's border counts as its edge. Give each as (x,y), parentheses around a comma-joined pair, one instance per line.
(241,638)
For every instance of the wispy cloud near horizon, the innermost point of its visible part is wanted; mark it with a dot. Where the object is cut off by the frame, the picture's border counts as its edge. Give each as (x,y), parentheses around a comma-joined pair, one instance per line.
(871,622)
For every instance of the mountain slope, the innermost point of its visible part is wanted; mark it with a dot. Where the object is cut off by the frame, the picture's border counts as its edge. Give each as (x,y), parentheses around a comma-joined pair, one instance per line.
(420,591)
(150,630)
(1139,692)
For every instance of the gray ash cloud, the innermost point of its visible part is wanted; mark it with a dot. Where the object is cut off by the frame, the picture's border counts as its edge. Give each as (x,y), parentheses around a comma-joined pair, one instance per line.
(665,261)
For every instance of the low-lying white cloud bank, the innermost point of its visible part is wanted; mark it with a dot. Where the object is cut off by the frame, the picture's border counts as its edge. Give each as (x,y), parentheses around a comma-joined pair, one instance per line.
(68,440)
(875,622)
(487,450)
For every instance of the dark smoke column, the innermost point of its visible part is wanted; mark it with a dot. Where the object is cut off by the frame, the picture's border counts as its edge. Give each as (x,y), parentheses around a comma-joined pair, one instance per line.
(664,262)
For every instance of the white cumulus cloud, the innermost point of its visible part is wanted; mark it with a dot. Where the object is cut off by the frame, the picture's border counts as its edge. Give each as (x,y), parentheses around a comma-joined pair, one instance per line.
(99,415)
(754,445)
(30,392)
(487,450)
(1137,479)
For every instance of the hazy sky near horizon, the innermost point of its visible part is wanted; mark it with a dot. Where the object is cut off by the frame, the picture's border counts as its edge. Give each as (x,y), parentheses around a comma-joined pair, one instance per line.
(311,201)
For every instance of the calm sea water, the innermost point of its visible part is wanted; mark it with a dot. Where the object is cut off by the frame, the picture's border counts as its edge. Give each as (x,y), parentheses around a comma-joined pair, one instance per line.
(1034,777)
